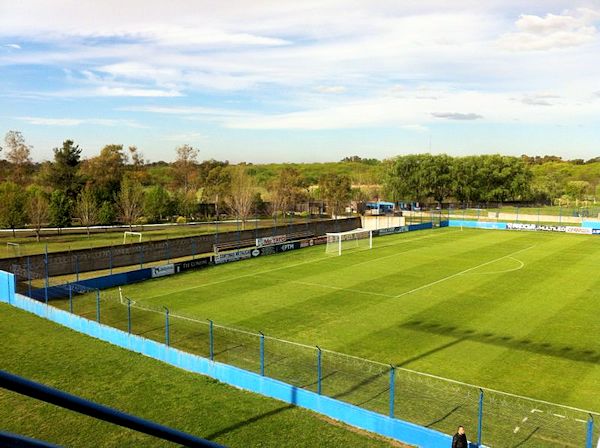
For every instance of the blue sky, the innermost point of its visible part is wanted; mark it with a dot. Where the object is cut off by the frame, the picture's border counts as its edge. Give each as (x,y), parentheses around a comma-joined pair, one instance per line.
(303,81)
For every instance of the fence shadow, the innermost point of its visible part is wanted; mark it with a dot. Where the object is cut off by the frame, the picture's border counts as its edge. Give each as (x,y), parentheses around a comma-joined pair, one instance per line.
(505,341)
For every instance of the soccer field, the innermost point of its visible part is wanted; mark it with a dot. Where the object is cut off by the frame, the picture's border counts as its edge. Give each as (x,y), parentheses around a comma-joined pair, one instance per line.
(512,311)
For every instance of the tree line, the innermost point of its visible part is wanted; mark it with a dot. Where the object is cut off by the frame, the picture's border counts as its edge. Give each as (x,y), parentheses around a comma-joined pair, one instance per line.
(119,185)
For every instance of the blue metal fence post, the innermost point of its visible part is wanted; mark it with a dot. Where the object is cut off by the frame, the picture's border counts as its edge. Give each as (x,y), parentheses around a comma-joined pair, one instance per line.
(193,248)
(262,353)
(110,259)
(29,276)
(98,305)
(166,325)
(129,316)
(70,298)
(392,389)
(46,274)
(77,267)
(480,417)
(211,341)
(319,370)
(589,442)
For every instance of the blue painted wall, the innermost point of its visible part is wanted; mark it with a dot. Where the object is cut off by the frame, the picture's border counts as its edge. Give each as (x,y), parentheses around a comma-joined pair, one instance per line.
(591,224)
(477,224)
(345,412)
(422,226)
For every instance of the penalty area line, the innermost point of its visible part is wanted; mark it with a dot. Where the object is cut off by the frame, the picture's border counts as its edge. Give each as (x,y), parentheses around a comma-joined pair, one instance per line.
(461,273)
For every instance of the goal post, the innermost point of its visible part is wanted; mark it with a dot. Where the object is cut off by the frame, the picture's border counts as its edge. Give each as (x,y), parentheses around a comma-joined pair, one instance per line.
(354,239)
(126,234)
(16,248)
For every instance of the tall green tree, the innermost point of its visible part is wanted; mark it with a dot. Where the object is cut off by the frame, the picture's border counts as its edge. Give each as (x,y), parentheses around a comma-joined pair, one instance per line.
(336,191)
(63,173)
(130,201)
(241,193)
(13,211)
(61,209)
(287,189)
(37,209)
(86,208)
(156,203)
(18,153)
(105,172)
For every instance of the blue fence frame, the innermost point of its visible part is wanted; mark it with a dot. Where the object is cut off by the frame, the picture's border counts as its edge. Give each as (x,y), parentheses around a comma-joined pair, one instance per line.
(254,382)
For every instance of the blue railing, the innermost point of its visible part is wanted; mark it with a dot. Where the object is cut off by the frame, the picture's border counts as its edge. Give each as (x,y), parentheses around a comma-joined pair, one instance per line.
(57,397)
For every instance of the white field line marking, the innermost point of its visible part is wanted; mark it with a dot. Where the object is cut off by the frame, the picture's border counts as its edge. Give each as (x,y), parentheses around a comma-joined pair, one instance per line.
(524,420)
(516,430)
(427,375)
(559,416)
(521,266)
(395,244)
(358,291)
(461,272)
(253,274)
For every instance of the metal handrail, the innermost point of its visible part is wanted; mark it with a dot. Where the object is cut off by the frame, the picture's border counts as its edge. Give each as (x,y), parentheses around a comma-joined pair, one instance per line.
(57,397)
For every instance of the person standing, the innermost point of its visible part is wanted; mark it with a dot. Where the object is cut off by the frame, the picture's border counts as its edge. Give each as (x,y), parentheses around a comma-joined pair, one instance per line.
(460,439)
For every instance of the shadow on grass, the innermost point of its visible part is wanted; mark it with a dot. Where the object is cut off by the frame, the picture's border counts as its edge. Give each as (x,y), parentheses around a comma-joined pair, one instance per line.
(255,418)
(505,341)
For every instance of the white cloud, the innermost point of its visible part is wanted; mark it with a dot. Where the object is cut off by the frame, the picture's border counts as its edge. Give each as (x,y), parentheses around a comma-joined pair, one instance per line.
(457,115)
(46,121)
(552,31)
(539,99)
(13,46)
(330,89)
(126,91)
(185,137)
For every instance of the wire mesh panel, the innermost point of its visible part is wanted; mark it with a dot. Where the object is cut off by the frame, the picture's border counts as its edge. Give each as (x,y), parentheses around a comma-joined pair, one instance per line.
(357,381)
(292,363)
(237,348)
(518,422)
(435,403)
(189,335)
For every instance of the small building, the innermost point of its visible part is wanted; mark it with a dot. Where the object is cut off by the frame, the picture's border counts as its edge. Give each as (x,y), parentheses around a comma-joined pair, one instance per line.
(379,208)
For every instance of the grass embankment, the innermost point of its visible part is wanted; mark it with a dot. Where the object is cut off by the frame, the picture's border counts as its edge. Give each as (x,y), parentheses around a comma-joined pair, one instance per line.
(47,353)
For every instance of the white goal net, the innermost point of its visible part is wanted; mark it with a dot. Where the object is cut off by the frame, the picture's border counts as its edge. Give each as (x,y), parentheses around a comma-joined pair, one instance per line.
(353,239)
(134,235)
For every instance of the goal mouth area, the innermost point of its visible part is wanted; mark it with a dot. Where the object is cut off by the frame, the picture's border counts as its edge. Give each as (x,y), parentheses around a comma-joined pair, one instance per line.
(338,242)
(132,234)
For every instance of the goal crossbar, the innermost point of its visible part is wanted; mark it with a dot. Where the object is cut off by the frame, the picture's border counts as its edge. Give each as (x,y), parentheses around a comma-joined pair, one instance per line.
(338,241)
(131,234)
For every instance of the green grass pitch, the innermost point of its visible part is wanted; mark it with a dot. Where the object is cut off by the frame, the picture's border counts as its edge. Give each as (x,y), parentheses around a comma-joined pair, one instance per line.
(512,311)
(46,352)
